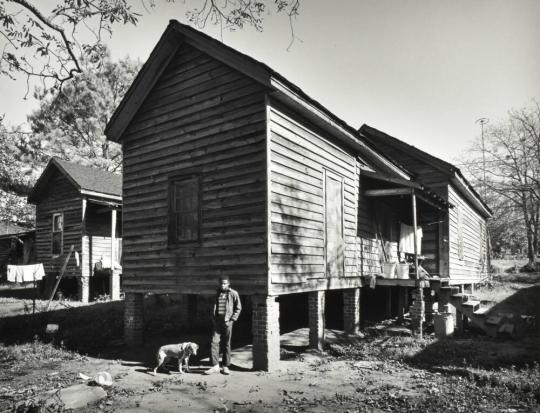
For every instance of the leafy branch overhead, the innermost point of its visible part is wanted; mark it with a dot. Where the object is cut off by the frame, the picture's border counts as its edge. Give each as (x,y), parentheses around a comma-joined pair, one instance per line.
(47,43)
(44,43)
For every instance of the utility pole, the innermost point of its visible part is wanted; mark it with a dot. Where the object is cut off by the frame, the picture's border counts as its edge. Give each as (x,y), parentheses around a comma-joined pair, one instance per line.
(482,122)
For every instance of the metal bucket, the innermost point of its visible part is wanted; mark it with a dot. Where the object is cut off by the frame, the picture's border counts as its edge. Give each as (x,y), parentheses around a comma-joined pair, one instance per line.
(403,271)
(443,324)
(389,269)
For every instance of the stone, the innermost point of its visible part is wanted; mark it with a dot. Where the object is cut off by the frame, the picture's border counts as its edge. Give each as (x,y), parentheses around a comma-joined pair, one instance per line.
(77,396)
(399,331)
(367,364)
(52,329)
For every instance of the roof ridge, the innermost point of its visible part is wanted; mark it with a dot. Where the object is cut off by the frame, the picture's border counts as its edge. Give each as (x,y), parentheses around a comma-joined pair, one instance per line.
(448,165)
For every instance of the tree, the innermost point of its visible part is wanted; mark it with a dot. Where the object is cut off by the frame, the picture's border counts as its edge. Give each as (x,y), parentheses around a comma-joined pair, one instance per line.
(14,182)
(70,123)
(46,42)
(512,151)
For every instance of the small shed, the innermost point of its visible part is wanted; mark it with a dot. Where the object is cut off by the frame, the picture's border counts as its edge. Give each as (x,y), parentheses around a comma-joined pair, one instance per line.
(231,169)
(16,246)
(457,243)
(80,206)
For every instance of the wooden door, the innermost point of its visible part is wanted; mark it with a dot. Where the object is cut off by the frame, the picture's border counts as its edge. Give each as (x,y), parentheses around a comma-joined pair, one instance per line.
(335,244)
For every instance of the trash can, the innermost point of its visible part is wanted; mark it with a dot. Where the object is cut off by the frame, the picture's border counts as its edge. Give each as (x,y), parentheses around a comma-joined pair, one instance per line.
(443,324)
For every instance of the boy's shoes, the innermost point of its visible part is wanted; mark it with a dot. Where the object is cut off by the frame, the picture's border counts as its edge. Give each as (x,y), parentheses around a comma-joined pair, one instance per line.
(212,370)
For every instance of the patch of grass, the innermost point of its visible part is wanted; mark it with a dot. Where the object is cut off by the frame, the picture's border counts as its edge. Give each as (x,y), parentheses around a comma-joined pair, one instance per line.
(382,349)
(531,278)
(34,354)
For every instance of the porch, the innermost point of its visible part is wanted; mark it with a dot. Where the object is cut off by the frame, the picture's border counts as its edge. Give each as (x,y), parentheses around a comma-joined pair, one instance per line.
(101,249)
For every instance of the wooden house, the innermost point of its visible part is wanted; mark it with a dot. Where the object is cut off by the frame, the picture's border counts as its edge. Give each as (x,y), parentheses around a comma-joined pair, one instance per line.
(230,169)
(78,206)
(16,246)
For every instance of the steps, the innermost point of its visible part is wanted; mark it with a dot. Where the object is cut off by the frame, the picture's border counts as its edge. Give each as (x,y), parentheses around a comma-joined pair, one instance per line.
(467,305)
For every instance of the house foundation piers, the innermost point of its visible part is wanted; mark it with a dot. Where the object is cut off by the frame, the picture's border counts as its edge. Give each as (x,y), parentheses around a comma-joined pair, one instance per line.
(316,302)
(351,310)
(265,329)
(417,311)
(83,289)
(133,318)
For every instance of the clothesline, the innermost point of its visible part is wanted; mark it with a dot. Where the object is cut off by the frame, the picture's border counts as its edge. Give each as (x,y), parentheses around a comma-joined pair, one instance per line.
(25,273)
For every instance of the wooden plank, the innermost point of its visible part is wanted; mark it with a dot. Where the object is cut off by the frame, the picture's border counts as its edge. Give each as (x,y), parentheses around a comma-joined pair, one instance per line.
(387,192)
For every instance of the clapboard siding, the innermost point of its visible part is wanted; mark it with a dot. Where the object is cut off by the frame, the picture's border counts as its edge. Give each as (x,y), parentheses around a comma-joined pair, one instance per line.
(299,157)
(473,229)
(61,196)
(94,248)
(430,248)
(201,115)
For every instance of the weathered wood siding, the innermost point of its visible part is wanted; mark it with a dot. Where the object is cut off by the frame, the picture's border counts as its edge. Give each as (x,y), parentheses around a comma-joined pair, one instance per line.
(471,228)
(299,157)
(430,248)
(94,248)
(200,114)
(61,196)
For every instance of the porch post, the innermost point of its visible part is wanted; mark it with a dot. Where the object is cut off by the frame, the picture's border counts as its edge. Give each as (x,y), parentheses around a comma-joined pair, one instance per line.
(84,283)
(418,307)
(114,282)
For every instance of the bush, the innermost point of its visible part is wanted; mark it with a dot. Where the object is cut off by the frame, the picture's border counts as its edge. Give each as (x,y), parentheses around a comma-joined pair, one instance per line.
(528,268)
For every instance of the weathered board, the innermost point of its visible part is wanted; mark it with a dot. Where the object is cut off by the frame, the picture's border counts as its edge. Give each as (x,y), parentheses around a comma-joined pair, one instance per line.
(203,118)
(313,228)
(94,248)
(60,197)
(467,239)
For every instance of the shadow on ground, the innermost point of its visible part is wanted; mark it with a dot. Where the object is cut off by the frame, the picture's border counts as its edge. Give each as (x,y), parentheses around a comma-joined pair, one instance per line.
(18,292)
(475,349)
(97,330)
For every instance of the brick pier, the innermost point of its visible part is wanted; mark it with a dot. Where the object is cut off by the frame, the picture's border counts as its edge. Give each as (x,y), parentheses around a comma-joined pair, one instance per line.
(316,319)
(133,318)
(265,329)
(351,310)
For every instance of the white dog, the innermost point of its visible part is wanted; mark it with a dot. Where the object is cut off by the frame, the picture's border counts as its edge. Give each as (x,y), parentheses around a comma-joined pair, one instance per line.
(181,351)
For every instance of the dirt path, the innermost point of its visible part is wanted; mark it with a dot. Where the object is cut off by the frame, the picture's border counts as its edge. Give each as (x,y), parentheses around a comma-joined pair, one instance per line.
(311,383)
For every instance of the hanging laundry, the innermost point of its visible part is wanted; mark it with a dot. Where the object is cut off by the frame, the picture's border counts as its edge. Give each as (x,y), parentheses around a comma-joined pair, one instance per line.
(406,239)
(25,273)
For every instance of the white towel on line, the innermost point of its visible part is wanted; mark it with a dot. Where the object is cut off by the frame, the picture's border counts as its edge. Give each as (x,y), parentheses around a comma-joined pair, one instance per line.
(25,273)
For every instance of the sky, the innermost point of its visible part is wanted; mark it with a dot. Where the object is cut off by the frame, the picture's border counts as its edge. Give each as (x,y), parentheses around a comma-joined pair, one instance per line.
(422,71)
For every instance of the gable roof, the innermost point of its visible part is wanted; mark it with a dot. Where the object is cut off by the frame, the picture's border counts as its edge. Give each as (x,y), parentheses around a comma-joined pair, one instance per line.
(86,179)
(279,88)
(400,151)
(8,229)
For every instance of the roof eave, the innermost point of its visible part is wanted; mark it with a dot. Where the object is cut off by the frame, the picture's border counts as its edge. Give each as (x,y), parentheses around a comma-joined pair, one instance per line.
(320,116)
(472,196)
(101,195)
(33,195)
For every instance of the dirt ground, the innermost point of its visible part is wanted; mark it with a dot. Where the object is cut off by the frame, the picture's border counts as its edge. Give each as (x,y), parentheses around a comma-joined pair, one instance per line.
(375,373)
